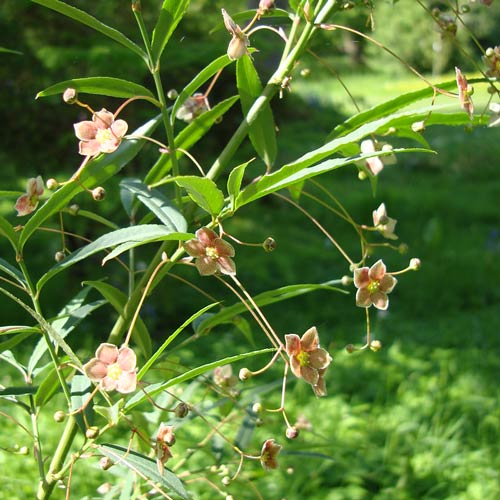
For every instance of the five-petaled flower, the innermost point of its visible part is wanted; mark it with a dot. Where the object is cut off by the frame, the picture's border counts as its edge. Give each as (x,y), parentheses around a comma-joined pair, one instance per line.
(375,164)
(307,359)
(101,135)
(384,224)
(28,202)
(268,454)
(212,253)
(113,368)
(464,92)
(373,285)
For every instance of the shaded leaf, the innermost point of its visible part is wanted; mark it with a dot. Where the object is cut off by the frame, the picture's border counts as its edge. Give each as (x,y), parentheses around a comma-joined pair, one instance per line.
(12,271)
(50,386)
(204,192)
(80,392)
(7,230)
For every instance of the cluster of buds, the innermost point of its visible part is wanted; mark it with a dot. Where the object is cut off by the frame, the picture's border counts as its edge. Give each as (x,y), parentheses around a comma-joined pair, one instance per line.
(492,59)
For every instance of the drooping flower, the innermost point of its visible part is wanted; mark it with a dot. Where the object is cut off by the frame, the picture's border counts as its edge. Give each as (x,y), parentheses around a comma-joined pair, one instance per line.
(238,46)
(268,454)
(193,107)
(101,135)
(224,378)
(383,223)
(113,368)
(307,359)
(464,92)
(212,253)
(28,202)
(375,164)
(373,285)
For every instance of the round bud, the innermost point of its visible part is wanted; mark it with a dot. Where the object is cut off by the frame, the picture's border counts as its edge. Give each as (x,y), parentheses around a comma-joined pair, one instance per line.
(74,209)
(244,374)
(98,193)
(269,244)
(350,348)
(92,432)
(181,410)
(362,175)
(415,263)
(229,497)
(257,408)
(265,5)
(70,96)
(59,256)
(346,280)
(226,480)
(291,432)
(52,184)
(489,52)
(105,463)
(304,73)
(418,126)
(59,416)
(403,248)
(491,90)
(375,345)
(172,94)
(23,450)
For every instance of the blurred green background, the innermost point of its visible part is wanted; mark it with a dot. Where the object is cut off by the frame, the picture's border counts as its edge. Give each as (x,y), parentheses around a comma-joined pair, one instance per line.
(420,418)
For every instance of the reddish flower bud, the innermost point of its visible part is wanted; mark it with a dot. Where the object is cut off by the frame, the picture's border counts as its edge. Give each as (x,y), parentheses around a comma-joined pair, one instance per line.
(99,193)
(70,96)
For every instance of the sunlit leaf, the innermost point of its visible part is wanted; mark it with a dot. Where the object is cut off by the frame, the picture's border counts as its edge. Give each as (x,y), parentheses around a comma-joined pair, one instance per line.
(204,192)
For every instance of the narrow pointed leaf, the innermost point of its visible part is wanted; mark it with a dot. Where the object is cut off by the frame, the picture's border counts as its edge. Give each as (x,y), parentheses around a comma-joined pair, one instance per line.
(12,271)
(262,131)
(204,192)
(234,182)
(17,338)
(7,230)
(80,392)
(50,385)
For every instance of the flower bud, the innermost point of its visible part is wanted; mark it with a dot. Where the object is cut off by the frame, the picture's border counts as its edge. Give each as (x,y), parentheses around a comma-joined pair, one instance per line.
(136,6)
(292,432)
(304,73)
(257,408)
(350,348)
(98,193)
(70,96)
(105,463)
(362,175)
(59,256)
(172,94)
(92,432)
(73,209)
(403,248)
(244,374)
(59,416)
(269,244)
(415,264)
(418,126)
(23,450)
(375,345)
(226,480)
(346,280)
(181,410)
(237,47)
(265,5)
(52,184)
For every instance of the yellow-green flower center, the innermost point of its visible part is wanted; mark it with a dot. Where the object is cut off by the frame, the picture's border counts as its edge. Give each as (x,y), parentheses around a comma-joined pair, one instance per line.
(373,286)
(114,371)
(303,358)
(212,253)
(104,135)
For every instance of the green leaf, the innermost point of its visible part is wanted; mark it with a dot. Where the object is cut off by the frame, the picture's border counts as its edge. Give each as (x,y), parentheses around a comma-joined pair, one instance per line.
(50,386)
(145,467)
(171,13)
(24,390)
(111,413)
(262,131)
(80,392)
(204,192)
(11,359)
(101,85)
(118,300)
(158,203)
(226,314)
(169,340)
(139,235)
(155,389)
(10,51)
(12,271)
(94,174)
(83,18)
(234,182)
(20,335)
(7,230)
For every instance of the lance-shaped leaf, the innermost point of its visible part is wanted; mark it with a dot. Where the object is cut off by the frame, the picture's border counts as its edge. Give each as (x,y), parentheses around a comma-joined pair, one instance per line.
(7,230)
(86,19)
(234,182)
(12,271)
(19,334)
(171,13)
(100,85)
(145,467)
(96,172)
(204,192)
(50,385)
(262,131)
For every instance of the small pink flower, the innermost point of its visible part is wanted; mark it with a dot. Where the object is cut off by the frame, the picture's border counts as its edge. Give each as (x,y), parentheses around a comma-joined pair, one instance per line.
(373,285)
(164,439)
(268,454)
(101,135)
(193,107)
(383,223)
(375,164)
(464,93)
(307,359)
(113,368)
(28,202)
(212,253)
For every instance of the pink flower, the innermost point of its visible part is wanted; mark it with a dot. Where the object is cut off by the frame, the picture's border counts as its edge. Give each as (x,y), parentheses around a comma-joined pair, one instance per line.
(373,285)
(383,223)
(28,202)
(464,93)
(212,253)
(375,164)
(113,368)
(101,135)
(268,454)
(307,359)
(193,107)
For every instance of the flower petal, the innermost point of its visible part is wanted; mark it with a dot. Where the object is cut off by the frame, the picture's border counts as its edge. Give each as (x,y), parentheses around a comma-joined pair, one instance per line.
(206,236)
(194,247)
(319,359)
(95,369)
(380,300)
(86,130)
(103,119)
(375,165)
(126,359)
(24,206)
(226,265)
(309,374)
(377,271)
(108,383)
(295,367)
(107,353)
(119,128)
(363,298)
(387,283)
(127,382)
(89,148)
(320,387)
(361,277)
(109,146)
(310,339)
(206,265)
(223,247)
(292,344)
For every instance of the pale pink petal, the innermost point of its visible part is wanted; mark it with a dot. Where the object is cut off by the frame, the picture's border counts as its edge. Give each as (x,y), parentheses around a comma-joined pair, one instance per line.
(95,369)
(126,359)
(361,277)
(375,165)
(292,344)
(380,215)
(367,146)
(119,128)
(387,283)
(377,271)
(24,206)
(363,298)
(223,248)
(107,353)
(39,188)
(295,367)
(206,265)
(109,146)
(194,248)
(309,374)
(89,148)
(127,382)
(226,265)
(319,359)
(320,387)
(103,119)
(108,383)
(268,454)
(310,339)
(380,300)
(206,236)
(86,130)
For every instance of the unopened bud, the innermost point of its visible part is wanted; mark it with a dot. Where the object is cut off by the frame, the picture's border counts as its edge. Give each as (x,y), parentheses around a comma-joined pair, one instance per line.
(226,480)
(181,410)
(489,52)
(237,47)
(265,5)
(346,280)
(105,463)
(418,126)
(257,408)
(415,263)
(491,90)
(92,432)
(350,348)
(59,416)
(70,96)
(52,184)
(172,94)
(403,248)
(244,374)
(375,345)
(304,73)
(74,209)
(136,6)
(59,256)
(292,432)
(23,450)
(98,193)
(362,175)
(269,244)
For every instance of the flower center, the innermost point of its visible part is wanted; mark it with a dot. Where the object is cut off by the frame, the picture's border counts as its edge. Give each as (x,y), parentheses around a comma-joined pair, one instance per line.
(212,253)
(303,358)
(373,286)
(104,135)
(114,371)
